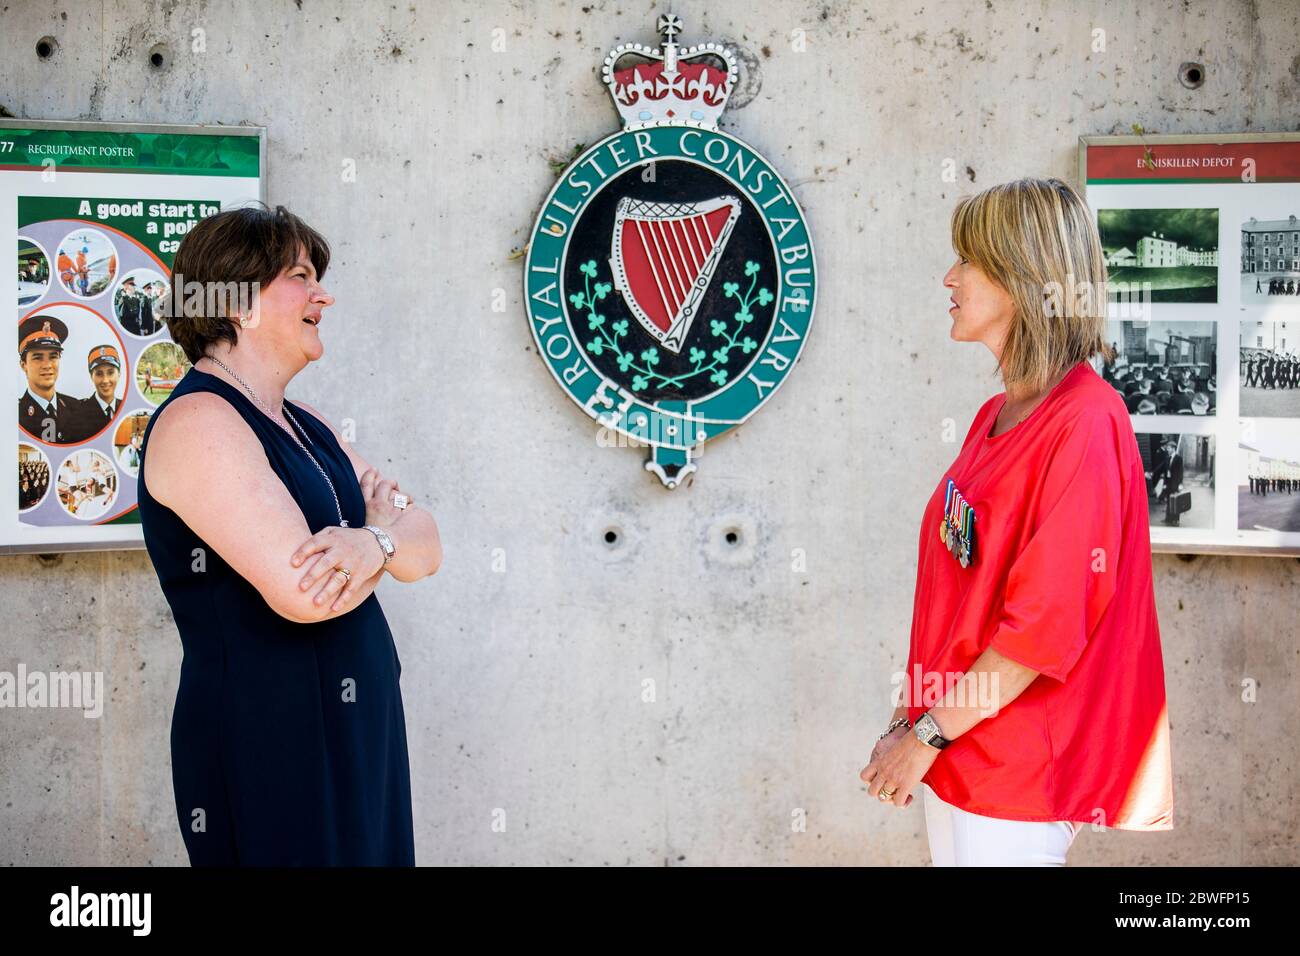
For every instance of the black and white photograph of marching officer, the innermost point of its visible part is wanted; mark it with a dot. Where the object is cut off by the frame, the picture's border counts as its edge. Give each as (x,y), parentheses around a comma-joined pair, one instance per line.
(1270,260)
(1268,496)
(1270,369)
(1172,252)
(1180,479)
(1164,368)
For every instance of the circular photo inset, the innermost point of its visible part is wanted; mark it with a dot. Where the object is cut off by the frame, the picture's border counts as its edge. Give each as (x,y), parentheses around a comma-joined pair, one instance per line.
(87,484)
(127,440)
(73,372)
(137,303)
(33,476)
(86,263)
(160,369)
(33,271)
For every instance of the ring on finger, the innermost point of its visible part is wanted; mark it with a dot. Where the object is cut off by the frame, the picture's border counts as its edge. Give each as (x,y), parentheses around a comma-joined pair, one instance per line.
(400,501)
(345,572)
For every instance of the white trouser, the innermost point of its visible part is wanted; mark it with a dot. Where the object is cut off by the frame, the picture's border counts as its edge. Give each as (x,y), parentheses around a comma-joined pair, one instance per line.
(960,838)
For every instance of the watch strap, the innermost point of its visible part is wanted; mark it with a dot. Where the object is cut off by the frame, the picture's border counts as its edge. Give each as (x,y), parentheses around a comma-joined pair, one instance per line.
(385,541)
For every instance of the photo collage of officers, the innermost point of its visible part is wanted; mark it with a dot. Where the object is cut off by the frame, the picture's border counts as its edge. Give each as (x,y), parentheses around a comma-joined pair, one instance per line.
(105,321)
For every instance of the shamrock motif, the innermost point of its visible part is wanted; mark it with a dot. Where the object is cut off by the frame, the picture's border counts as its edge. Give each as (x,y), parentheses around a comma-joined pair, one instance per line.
(704,361)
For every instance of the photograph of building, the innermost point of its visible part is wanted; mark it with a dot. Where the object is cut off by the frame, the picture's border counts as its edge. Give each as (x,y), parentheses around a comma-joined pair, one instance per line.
(1161,255)
(1270,260)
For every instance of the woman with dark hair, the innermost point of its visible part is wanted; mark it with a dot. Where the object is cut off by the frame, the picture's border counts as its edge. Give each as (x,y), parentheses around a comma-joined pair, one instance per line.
(1034,693)
(269,534)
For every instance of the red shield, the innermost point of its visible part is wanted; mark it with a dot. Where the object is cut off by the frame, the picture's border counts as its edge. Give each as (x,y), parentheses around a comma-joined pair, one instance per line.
(664,256)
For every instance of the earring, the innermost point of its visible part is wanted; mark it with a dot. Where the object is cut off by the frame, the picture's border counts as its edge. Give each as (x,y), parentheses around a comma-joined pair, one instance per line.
(243,322)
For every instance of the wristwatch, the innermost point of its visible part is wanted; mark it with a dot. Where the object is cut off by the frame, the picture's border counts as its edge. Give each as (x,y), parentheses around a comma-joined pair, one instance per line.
(384,540)
(927,731)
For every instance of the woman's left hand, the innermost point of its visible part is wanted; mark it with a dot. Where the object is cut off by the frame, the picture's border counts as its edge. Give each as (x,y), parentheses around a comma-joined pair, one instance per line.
(378,493)
(900,769)
(334,547)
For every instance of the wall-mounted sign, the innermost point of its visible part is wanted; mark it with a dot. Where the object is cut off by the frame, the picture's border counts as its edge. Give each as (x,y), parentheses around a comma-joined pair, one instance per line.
(669,279)
(97,211)
(1202,243)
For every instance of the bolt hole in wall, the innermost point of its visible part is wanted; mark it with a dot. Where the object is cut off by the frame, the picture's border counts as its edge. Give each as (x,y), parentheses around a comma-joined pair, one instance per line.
(46,47)
(158,56)
(612,537)
(1191,75)
(732,536)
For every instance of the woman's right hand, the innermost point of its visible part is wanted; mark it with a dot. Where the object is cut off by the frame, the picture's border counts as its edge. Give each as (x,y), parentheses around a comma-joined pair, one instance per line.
(336,547)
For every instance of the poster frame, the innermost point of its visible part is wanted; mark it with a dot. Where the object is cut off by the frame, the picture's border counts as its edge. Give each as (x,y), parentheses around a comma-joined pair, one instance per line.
(1191,547)
(130,537)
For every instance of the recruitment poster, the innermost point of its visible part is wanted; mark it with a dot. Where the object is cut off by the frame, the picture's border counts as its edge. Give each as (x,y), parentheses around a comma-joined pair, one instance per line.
(96,212)
(1202,242)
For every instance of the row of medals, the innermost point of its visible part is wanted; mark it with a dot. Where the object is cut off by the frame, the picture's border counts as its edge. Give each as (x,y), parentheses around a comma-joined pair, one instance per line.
(957,526)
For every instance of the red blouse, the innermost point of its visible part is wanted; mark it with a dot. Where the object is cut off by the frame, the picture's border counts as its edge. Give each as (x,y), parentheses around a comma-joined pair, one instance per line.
(1060,581)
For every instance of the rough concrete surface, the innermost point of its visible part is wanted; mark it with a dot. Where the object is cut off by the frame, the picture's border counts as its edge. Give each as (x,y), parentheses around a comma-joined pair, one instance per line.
(524,686)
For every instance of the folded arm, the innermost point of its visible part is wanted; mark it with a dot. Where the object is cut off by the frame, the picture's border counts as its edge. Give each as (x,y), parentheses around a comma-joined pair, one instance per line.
(207,465)
(414,530)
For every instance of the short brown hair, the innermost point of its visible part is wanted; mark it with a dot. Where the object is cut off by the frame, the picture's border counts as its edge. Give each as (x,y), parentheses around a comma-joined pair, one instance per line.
(229,250)
(1037,240)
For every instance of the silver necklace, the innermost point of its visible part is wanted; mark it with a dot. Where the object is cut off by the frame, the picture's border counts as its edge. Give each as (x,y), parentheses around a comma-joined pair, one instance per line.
(284,408)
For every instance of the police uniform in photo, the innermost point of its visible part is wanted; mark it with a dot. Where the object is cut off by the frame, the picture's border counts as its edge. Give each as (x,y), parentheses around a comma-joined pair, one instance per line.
(47,332)
(94,414)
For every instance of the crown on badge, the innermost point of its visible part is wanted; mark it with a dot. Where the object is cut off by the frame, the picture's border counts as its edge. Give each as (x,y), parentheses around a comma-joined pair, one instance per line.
(674,86)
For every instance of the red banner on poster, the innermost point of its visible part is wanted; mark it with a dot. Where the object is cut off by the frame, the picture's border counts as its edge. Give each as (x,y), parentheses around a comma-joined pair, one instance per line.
(1265,162)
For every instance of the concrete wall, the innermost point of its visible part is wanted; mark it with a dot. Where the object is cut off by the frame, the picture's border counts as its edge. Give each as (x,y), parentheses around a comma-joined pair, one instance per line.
(523,689)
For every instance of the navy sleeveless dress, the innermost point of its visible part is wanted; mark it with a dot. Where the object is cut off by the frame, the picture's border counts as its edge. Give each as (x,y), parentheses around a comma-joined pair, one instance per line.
(288,741)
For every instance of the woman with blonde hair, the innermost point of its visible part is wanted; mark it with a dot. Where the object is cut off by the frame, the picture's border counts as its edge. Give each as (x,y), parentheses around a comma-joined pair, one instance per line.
(1034,696)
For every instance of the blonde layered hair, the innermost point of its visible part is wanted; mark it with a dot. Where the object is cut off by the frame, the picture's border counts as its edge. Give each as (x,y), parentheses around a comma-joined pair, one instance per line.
(1036,239)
